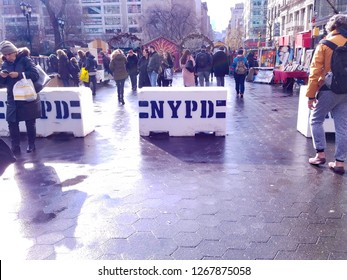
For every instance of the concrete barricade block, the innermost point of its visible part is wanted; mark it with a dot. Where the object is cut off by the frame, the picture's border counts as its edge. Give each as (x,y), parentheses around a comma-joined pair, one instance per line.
(64,109)
(303,121)
(183,111)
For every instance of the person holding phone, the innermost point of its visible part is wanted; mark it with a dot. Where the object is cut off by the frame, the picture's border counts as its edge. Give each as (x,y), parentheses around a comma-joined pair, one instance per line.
(17,62)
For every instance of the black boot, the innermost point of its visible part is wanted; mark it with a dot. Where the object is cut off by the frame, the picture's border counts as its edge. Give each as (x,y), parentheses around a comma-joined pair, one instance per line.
(31,132)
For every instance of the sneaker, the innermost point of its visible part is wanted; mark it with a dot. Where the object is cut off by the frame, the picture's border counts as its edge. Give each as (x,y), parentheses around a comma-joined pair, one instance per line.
(336,169)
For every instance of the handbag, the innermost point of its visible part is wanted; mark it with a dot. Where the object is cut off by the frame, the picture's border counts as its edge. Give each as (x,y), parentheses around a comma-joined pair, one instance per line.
(84,76)
(43,78)
(168,74)
(24,90)
(190,66)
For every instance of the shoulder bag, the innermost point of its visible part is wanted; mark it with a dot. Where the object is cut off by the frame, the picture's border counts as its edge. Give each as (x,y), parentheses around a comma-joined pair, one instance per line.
(24,90)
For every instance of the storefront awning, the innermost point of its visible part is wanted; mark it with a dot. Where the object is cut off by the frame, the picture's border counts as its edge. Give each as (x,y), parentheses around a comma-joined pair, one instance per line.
(303,40)
(284,40)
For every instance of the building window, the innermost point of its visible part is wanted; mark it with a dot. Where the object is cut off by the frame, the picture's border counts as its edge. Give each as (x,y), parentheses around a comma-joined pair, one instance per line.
(93,30)
(134,0)
(134,9)
(112,21)
(112,30)
(96,10)
(114,10)
(135,29)
(93,21)
(132,20)
(111,1)
(90,1)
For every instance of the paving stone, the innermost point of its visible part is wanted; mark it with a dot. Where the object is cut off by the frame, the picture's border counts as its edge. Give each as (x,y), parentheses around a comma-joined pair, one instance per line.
(49,238)
(40,252)
(210,233)
(187,239)
(187,253)
(212,248)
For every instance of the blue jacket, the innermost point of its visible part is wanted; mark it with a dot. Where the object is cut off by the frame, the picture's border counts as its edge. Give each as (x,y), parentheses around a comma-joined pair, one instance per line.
(237,59)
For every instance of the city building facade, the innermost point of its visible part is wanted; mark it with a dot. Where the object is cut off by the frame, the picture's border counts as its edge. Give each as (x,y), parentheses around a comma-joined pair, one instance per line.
(86,20)
(235,32)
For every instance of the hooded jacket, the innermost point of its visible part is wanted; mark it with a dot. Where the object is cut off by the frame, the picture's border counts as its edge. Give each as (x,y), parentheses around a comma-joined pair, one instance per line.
(21,110)
(321,61)
(118,67)
(91,64)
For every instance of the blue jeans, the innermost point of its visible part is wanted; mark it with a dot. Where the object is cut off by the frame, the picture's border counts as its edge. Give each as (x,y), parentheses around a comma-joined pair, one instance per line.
(239,83)
(204,76)
(337,105)
(153,76)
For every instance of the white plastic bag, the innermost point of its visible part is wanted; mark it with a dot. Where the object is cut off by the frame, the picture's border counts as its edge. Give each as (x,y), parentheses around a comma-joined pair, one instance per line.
(24,90)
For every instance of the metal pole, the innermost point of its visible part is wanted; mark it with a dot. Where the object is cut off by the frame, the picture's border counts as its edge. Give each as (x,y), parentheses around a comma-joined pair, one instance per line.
(62,36)
(29,35)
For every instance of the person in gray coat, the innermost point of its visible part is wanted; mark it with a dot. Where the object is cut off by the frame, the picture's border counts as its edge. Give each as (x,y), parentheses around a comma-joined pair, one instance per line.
(16,62)
(120,74)
(153,66)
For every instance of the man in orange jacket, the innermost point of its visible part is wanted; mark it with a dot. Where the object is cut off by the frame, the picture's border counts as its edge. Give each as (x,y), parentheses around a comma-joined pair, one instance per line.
(322,100)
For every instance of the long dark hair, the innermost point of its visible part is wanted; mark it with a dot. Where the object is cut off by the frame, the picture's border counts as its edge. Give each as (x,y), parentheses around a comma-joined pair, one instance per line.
(186,53)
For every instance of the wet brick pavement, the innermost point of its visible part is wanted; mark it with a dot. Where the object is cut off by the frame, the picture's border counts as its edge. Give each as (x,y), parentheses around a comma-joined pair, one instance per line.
(116,195)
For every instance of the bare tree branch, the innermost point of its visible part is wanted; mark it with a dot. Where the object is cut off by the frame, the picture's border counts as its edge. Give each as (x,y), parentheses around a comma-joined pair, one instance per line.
(173,23)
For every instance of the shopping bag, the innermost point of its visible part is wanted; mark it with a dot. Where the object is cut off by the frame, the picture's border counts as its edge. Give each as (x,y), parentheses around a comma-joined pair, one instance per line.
(190,66)
(43,79)
(168,74)
(84,76)
(24,90)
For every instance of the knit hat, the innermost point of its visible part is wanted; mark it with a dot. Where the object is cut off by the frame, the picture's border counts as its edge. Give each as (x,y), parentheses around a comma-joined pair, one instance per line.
(6,47)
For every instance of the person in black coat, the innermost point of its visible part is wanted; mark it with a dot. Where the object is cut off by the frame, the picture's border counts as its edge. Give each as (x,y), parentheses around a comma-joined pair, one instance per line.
(74,70)
(220,66)
(18,61)
(106,63)
(131,66)
(91,67)
(52,64)
(63,67)
(142,68)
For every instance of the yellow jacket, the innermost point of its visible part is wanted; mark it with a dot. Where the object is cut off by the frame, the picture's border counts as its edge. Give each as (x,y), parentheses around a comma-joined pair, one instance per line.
(321,63)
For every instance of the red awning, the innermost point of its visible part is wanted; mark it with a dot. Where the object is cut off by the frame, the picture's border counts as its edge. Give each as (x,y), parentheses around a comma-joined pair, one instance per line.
(303,40)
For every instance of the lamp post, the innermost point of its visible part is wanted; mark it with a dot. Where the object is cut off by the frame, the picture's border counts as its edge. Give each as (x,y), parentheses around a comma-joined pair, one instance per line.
(259,42)
(61,23)
(26,10)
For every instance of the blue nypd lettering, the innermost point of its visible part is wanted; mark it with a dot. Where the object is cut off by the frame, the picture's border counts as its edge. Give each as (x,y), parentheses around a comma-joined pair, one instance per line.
(62,109)
(182,109)
(2,105)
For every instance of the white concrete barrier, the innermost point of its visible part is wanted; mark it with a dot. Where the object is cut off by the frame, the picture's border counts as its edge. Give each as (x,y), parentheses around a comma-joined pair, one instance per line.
(182,111)
(303,121)
(64,109)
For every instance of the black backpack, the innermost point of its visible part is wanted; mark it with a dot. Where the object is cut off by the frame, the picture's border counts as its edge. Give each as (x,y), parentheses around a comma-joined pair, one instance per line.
(338,67)
(203,60)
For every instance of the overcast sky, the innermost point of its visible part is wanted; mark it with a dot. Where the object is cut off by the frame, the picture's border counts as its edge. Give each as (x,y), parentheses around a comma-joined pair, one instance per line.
(219,12)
